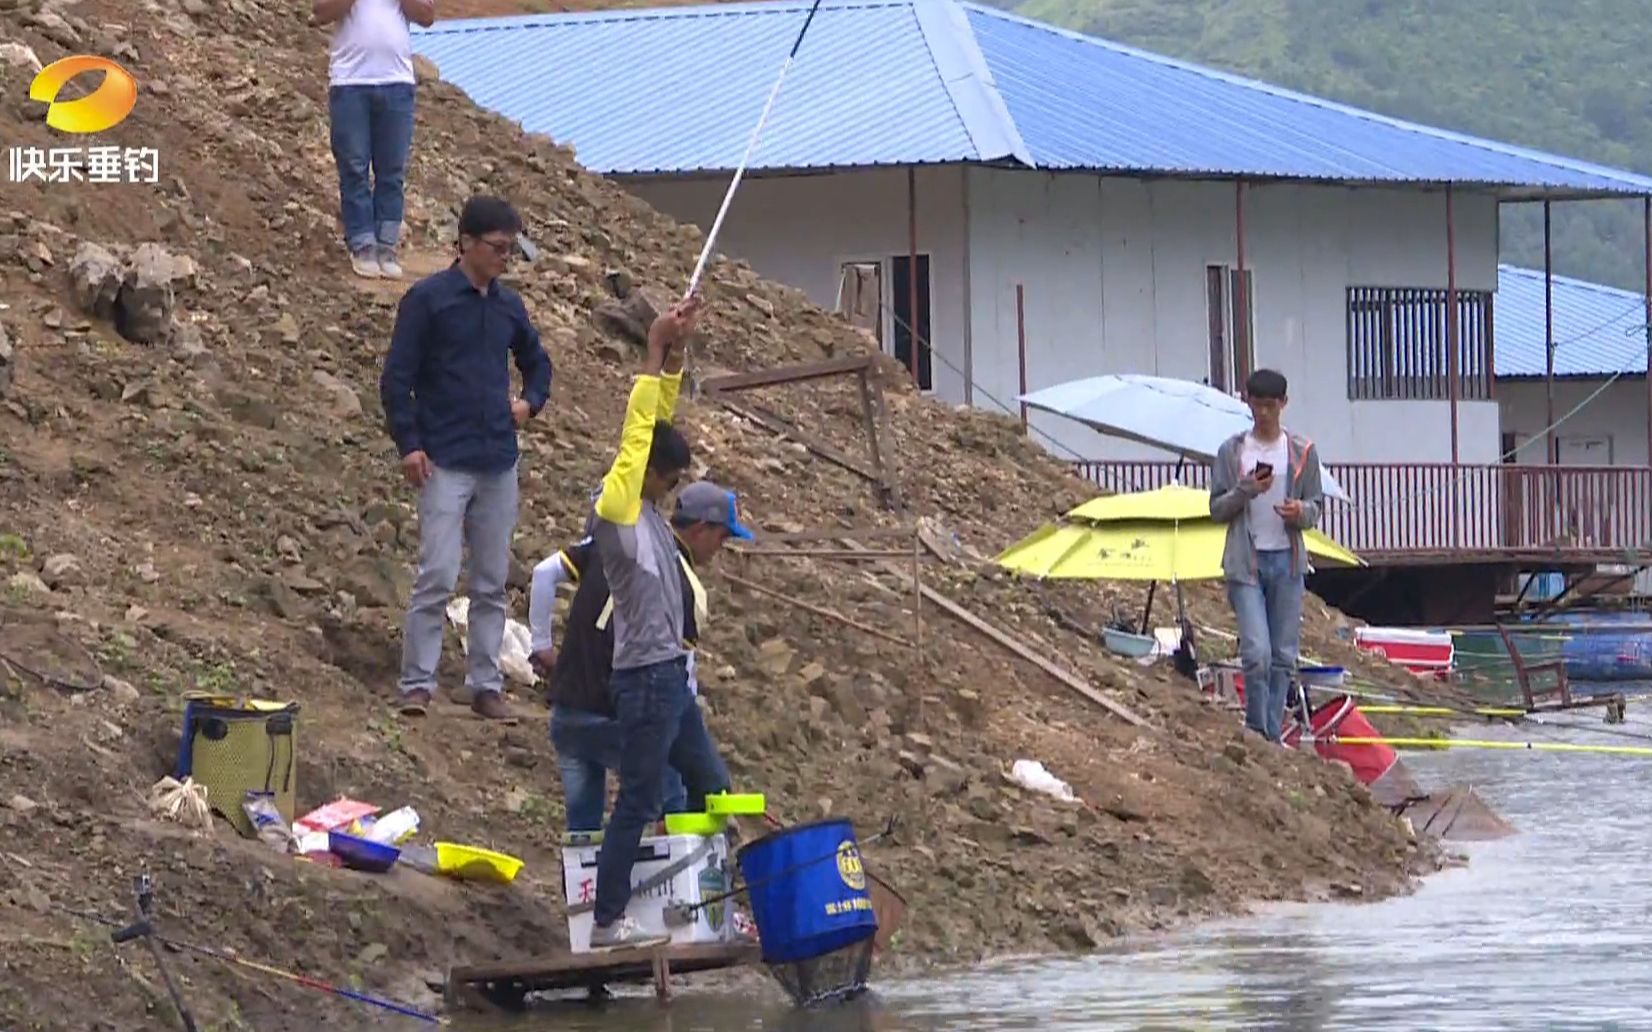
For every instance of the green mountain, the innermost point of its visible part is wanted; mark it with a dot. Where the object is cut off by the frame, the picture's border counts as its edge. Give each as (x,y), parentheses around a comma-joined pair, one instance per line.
(1566,76)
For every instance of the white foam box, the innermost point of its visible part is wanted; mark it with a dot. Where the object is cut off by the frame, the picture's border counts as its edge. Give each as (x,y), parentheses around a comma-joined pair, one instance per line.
(711,875)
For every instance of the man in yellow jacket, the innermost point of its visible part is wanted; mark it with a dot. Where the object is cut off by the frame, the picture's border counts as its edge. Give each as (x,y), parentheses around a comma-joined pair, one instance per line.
(659,719)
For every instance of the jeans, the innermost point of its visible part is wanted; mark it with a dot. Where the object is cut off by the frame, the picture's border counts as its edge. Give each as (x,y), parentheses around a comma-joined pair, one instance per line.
(456,510)
(659,722)
(372,130)
(588,747)
(1269,614)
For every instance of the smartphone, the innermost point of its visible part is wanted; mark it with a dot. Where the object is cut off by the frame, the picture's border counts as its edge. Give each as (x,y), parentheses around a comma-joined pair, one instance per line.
(1263,470)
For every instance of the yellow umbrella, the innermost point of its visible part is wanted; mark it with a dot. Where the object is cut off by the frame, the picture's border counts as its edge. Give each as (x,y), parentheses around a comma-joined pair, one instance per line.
(1164,534)
(1140,549)
(1174,502)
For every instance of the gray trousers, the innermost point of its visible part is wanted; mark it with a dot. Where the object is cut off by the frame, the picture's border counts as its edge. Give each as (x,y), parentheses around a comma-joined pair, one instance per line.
(459,510)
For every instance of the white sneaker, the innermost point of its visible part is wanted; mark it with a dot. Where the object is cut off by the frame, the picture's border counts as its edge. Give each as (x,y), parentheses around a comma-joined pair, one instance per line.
(366,264)
(388,266)
(624,934)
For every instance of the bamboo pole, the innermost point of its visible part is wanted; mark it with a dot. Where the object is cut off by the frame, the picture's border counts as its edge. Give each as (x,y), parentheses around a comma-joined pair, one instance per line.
(816,610)
(826,553)
(917,594)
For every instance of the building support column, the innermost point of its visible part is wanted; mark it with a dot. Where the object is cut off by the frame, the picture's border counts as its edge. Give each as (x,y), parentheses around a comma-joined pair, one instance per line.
(1021,344)
(1646,229)
(912,271)
(969,307)
(1549,448)
(1451,318)
(1452,364)
(1241,298)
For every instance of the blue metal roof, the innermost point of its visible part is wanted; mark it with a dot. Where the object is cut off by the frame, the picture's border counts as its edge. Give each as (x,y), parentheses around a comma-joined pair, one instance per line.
(1598,330)
(894,82)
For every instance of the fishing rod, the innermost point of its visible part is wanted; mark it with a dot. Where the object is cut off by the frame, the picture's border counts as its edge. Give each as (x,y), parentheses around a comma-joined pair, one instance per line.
(751,145)
(1502,713)
(1395,705)
(1471,743)
(1446,711)
(144,928)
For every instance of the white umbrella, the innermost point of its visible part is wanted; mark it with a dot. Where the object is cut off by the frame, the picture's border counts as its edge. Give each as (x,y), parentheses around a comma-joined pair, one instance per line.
(1180,416)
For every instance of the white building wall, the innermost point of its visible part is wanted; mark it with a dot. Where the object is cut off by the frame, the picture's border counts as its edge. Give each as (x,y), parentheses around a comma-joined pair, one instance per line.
(1609,430)
(799,230)
(1109,266)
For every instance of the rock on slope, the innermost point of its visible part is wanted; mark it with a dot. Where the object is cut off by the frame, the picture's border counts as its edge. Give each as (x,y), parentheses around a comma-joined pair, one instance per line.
(209,502)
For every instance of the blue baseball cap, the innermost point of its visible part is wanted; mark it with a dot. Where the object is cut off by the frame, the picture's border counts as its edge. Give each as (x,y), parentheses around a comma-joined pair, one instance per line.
(705,502)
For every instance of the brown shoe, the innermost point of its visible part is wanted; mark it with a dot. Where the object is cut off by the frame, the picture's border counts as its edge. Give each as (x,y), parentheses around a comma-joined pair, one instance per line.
(414,703)
(490,705)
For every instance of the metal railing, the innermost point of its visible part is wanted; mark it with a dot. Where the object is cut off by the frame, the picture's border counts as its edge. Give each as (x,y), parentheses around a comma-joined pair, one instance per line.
(1436,507)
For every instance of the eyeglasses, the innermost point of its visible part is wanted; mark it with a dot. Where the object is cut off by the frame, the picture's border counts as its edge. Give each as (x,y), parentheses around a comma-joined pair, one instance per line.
(502,248)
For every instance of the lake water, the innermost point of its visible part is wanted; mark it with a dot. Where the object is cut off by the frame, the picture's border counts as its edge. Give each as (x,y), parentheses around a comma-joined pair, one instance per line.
(1548,929)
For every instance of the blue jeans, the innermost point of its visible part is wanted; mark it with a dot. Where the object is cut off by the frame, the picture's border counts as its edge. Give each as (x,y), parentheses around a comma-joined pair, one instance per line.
(1269,614)
(372,131)
(460,512)
(659,723)
(588,747)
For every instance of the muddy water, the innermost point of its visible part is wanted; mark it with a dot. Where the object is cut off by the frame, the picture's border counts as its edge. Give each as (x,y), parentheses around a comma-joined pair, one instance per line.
(1549,929)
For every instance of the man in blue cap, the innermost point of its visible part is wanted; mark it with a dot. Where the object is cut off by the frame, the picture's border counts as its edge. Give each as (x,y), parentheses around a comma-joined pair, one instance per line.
(584,729)
(659,718)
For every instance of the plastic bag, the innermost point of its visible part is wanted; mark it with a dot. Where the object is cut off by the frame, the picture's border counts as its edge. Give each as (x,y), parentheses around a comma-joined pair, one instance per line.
(514,650)
(267,821)
(1031,774)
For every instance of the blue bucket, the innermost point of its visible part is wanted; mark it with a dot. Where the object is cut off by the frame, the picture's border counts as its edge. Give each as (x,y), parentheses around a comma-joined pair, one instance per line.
(808,891)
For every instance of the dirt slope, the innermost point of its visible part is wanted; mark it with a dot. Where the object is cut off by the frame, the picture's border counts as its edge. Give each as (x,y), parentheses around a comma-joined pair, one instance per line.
(218,508)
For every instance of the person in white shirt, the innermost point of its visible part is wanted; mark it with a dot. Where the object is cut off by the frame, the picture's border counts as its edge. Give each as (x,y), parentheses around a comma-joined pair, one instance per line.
(1266,486)
(370,105)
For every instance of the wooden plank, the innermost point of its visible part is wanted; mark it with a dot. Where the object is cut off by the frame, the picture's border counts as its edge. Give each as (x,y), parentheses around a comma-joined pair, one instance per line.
(888,466)
(828,553)
(807,536)
(1060,673)
(869,411)
(611,965)
(798,373)
(817,610)
(781,427)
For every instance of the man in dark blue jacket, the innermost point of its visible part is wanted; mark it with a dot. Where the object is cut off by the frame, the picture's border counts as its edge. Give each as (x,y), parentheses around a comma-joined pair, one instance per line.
(446,391)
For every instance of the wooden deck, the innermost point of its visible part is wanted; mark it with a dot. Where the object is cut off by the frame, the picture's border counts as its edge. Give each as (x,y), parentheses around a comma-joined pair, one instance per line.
(505,984)
(1432,513)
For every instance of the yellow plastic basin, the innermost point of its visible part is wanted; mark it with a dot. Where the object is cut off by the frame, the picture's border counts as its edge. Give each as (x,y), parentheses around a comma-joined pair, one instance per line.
(694,824)
(731,804)
(475,864)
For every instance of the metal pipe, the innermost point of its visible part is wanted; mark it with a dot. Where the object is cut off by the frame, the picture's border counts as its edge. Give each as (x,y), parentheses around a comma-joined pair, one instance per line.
(1451,364)
(1646,228)
(1451,318)
(912,320)
(969,310)
(1548,339)
(1241,299)
(1021,343)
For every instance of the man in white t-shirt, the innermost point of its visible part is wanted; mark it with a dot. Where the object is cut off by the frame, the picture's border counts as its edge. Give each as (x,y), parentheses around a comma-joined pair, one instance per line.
(370,104)
(1266,486)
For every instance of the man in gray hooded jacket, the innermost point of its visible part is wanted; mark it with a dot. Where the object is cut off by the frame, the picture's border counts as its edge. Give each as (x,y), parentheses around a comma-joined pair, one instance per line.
(1266,487)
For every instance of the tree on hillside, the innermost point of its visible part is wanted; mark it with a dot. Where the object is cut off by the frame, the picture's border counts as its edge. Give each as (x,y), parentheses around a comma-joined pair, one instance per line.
(1567,76)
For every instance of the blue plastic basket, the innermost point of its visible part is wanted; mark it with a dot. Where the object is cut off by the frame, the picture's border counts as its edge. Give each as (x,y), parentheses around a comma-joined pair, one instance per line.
(360,854)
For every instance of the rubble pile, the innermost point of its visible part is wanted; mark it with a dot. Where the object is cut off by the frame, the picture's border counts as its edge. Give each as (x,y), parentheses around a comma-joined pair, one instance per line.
(197,493)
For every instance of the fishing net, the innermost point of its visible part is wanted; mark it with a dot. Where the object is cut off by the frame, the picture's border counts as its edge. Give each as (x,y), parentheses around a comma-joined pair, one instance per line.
(830,978)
